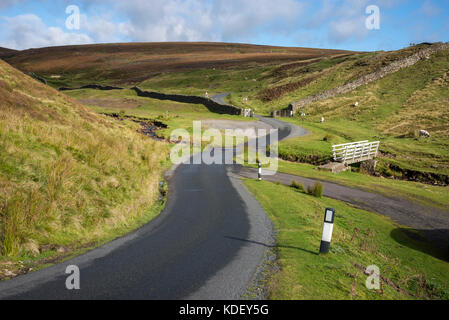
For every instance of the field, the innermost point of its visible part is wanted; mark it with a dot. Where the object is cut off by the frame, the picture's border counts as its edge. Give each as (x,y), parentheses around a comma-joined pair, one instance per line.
(409,267)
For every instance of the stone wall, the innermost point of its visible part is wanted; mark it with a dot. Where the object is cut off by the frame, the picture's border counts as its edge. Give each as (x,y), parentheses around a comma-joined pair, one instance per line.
(208,103)
(366,79)
(92,86)
(38,78)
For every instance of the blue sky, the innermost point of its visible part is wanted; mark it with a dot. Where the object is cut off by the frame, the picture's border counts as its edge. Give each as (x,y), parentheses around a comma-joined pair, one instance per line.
(319,23)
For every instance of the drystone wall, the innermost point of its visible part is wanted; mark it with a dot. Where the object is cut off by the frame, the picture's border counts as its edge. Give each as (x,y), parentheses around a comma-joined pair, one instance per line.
(208,103)
(92,86)
(366,79)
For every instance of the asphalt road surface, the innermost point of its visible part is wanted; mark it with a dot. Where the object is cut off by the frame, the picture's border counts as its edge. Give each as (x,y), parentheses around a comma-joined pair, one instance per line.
(207,244)
(219,98)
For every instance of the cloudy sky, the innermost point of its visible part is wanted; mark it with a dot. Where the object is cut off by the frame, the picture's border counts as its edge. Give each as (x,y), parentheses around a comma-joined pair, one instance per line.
(319,23)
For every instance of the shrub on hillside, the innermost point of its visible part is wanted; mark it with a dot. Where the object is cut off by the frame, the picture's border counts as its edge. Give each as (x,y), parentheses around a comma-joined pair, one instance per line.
(297,186)
(315,190)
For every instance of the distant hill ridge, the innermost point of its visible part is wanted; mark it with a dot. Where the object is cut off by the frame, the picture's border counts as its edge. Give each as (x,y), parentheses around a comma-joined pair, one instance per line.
(7,53)
(132,63)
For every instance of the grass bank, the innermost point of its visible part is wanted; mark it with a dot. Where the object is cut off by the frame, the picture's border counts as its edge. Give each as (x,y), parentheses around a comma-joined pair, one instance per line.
(70,178)
(434,196)
(409,267)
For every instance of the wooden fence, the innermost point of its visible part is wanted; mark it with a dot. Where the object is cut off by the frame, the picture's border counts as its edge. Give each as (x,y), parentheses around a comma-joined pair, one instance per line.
(354,152)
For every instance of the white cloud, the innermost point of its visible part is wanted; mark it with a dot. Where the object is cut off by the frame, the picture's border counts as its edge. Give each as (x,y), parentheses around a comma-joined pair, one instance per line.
(322,22)
(170,20)
(245,18)
(28,31)
(346,19)
(193,20)
(345,29)
(99,28)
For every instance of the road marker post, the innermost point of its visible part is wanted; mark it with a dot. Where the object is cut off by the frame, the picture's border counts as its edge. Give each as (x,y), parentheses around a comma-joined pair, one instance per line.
(328,228)
(260,170)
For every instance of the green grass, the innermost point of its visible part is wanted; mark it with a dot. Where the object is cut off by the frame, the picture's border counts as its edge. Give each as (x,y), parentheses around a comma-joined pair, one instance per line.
(240,81)
(391,110)
(69,177)
(29,261)
(360,238)
(424,155)
(427,195)
(434,196)
(316,147)
(243,82)
(180,115)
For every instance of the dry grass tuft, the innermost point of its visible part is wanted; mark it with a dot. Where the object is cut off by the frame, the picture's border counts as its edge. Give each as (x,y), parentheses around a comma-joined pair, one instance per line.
(67,175)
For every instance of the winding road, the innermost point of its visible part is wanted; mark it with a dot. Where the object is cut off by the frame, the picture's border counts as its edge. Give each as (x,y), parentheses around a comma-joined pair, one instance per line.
(206,244)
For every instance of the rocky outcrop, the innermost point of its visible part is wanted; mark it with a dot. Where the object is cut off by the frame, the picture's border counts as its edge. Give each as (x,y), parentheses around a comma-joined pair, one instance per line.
(208,103)
(366,79)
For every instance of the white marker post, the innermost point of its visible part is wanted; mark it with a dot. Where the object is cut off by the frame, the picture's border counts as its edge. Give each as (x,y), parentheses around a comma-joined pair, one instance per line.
(260,171)
(327,230)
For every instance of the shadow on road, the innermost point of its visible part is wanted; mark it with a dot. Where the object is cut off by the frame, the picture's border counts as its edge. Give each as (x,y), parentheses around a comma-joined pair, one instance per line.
(272,246)
(418,240)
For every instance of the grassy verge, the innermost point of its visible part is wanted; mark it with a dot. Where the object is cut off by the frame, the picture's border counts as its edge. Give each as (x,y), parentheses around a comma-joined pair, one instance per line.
(427,195)
(434,196)
(361,239)
(69,178)
(12,266)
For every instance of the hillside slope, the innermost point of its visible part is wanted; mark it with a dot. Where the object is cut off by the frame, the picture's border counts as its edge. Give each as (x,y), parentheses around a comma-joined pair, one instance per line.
(388,67)
(68,176)
(7,53)
(132,63)
(393,110)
